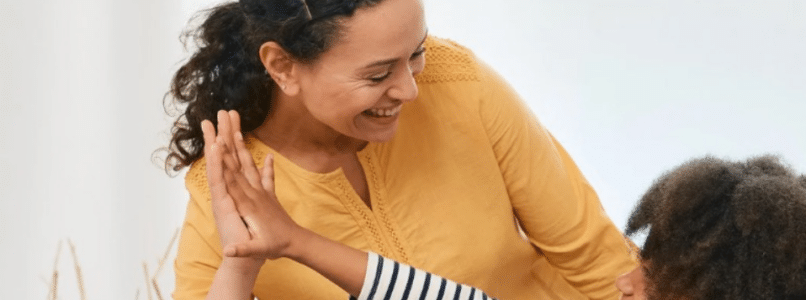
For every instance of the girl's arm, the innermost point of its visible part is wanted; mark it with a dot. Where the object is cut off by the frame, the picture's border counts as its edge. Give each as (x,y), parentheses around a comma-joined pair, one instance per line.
(388,279)
(273,234)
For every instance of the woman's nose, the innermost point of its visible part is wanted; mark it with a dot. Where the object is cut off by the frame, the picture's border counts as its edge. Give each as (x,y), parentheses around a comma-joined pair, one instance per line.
(405,89)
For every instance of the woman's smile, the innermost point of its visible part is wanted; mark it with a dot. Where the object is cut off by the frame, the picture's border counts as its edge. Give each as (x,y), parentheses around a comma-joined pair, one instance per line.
(383,112)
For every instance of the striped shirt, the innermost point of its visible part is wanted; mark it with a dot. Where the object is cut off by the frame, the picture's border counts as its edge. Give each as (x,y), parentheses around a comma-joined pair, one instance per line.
(387,279)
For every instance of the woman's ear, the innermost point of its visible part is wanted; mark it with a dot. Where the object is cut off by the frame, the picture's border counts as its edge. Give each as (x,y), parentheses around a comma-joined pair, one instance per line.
(280,66)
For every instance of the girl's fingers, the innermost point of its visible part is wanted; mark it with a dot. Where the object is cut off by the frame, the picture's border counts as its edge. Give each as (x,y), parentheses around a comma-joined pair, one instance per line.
(240,197)
(244,186)
(245,249)
(230,161)
(232,166)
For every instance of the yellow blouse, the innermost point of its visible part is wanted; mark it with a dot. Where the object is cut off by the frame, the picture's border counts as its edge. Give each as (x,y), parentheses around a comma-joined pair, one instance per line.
(468,162)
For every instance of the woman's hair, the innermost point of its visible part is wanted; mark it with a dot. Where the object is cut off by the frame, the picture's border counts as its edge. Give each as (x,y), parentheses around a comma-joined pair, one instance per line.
(718,229)
(226,73)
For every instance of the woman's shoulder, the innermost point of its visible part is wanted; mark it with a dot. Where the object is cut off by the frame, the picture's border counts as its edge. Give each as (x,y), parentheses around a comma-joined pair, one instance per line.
(196,177)
(448,61)
(456,83)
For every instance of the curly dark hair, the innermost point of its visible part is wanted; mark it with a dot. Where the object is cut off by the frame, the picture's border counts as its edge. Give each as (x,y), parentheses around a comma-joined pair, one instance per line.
(226,73)
(719,229)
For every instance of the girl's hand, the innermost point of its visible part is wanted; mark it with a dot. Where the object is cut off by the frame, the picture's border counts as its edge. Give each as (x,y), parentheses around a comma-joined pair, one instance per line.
(231,228)
(261,227)
(271,230)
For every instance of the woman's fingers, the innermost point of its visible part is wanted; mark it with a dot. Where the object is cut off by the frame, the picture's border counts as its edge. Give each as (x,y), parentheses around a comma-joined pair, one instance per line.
(212,154)
(239,150)
(247,162)
(267,174)
(235,121)
(225,130)
(208,132)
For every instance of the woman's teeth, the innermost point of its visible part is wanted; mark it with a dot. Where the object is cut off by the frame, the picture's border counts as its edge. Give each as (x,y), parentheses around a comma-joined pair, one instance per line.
(377,112)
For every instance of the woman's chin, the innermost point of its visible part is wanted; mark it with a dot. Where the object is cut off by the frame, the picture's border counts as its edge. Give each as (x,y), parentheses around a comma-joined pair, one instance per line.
(380,137)
(376,129)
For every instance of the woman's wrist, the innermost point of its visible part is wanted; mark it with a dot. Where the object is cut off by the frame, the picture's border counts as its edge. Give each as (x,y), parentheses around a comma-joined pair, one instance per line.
(234,278)
(246,266)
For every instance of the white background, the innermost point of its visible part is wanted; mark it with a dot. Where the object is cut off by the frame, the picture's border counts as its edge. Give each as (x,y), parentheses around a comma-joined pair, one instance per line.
(631,88)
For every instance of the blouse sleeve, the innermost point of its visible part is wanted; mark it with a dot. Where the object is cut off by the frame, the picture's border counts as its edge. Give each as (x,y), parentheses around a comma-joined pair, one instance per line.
(199,254)
(390,280)
(557,208)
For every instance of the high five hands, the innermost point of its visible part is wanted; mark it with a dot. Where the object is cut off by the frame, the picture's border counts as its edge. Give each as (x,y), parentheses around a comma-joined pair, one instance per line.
(253,226)
(250,221)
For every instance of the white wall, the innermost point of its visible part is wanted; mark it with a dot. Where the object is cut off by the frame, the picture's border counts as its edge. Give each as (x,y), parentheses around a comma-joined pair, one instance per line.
(82,83)
(631,88)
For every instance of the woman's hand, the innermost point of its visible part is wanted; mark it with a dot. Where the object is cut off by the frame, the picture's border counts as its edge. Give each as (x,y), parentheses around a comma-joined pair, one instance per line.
(231,228)
(253,224)
(249,196)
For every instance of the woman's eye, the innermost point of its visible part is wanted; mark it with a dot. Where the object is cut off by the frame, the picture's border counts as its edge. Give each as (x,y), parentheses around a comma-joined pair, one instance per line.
(418,53)
(380,78)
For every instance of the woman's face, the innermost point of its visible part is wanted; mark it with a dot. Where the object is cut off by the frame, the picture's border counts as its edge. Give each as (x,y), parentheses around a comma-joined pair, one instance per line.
(632,284)
(358,87)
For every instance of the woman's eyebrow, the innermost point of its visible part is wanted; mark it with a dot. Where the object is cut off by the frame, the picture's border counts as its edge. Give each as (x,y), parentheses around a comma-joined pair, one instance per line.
(393,60)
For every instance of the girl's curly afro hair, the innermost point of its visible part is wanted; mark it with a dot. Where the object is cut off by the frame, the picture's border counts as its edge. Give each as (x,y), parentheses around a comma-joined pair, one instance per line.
(719,229)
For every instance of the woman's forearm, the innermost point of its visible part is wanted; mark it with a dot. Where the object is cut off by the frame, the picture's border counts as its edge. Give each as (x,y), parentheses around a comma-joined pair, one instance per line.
(234,279)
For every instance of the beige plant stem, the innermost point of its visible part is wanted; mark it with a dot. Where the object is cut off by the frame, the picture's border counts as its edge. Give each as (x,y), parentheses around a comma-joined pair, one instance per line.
(54,281)
(150,280)
(165,256)
(157,289)
(148,285)
(79,278)
(161,263)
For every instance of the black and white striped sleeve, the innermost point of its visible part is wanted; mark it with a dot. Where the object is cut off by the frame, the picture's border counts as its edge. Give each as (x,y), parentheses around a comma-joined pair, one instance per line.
(387,279)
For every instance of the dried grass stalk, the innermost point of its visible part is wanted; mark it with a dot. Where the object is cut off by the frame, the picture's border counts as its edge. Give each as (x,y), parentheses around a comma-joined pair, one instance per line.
(167,253)
(54,281)
(53,295)
(161,263)
(156,288)
(79,278)
(148,286)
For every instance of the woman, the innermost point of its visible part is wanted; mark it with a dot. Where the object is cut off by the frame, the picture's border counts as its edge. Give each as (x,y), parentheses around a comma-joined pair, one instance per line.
(715,230)
(441,183)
